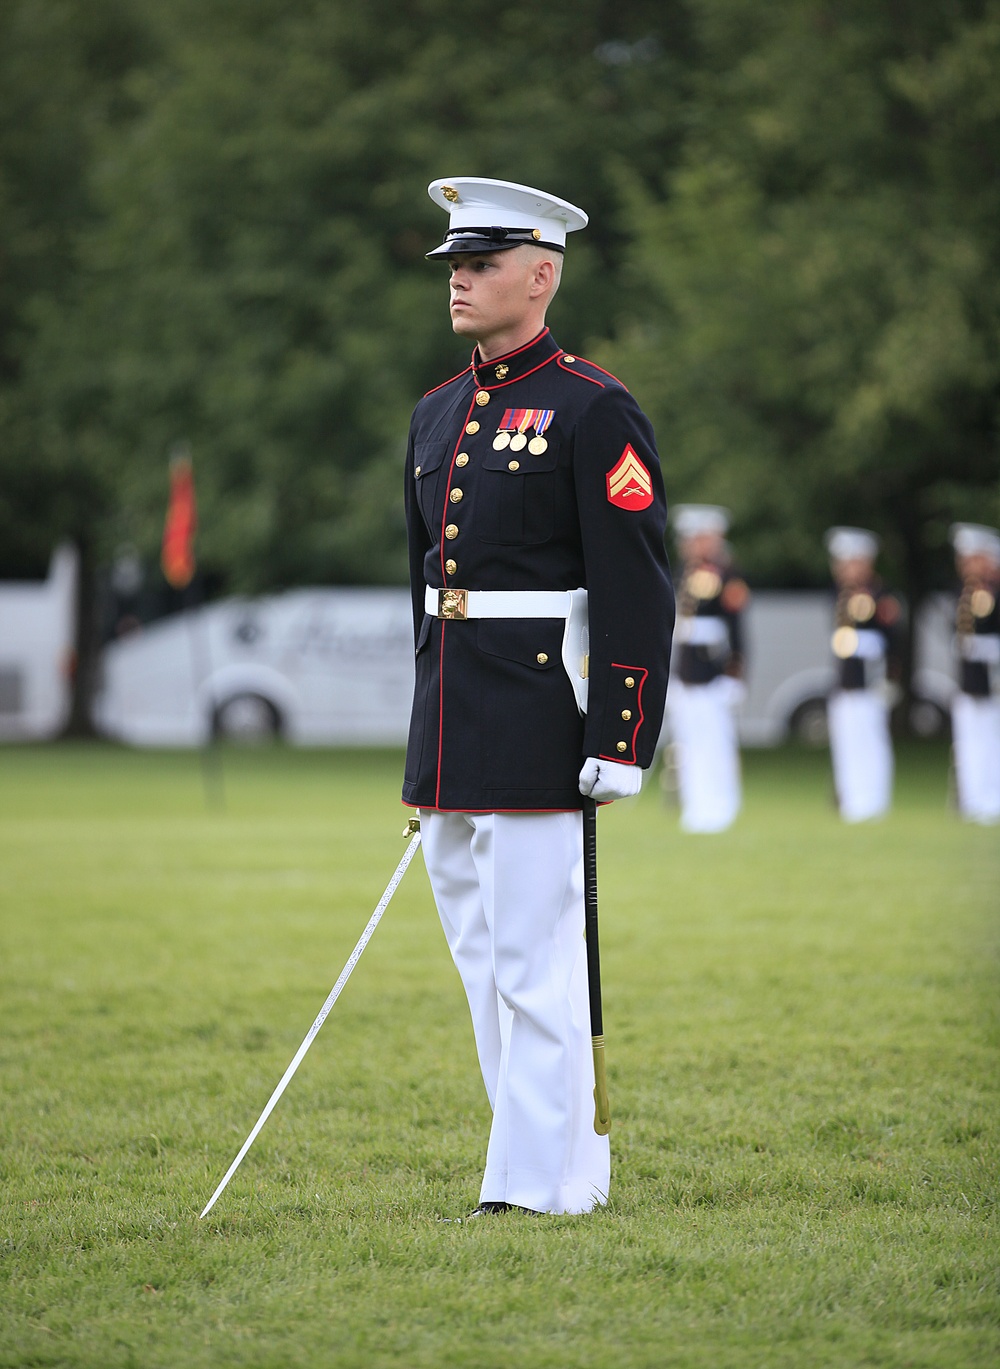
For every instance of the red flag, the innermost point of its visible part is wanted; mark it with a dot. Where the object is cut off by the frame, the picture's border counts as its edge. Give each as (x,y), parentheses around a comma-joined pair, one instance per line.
(177,554)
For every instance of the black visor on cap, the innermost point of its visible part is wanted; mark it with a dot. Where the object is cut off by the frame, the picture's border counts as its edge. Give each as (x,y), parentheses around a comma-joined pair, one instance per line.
(493,239)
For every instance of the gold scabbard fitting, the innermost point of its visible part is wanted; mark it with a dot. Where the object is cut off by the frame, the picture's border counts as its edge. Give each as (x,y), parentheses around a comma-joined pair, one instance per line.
(602,1108)
(412,827)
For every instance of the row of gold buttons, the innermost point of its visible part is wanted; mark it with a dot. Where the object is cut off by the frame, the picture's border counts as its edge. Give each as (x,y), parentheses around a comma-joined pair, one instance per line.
(626,712)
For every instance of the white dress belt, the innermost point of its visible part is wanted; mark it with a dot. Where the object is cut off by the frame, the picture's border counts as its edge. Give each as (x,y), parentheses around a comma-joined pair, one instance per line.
(497,603)
(868,645)
(701,631)
(568,604)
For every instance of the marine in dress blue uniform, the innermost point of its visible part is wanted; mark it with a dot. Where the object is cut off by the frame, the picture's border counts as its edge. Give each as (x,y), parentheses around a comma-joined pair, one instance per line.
(532,486)
(975,709)
(706,686)
(865,643)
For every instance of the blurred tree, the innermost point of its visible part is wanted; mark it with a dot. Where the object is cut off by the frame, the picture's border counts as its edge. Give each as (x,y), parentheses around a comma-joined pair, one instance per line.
(819,337)
(255,284)
(63,66)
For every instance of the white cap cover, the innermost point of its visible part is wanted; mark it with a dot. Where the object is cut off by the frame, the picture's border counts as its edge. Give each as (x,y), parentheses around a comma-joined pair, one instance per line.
(690,520)
(976,539)
(850,544)
(490,216)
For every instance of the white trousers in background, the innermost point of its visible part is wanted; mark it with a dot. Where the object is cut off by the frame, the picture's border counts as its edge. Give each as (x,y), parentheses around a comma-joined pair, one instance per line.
(703,727)
(975,730)
(509,890)
(861,751)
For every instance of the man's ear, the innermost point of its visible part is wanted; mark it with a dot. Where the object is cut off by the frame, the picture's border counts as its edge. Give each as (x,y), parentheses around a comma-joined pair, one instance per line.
(542,278)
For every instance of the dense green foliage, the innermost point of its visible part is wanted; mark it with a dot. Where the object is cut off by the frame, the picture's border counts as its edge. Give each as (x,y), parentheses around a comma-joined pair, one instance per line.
(214,222)
(821,336)
(802,1043)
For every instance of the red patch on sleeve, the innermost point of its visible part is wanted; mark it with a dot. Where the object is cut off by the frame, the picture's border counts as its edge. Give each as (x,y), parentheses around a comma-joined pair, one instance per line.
(630,485)
(735,596)
(888,610)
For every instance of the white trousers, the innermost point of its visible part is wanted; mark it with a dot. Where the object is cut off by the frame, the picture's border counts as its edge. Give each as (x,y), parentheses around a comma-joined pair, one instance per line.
(975,730)
(509,890)
(703,727)
(861,751)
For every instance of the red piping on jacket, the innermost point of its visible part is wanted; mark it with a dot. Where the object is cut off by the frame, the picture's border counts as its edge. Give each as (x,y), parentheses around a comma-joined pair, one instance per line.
(635,670)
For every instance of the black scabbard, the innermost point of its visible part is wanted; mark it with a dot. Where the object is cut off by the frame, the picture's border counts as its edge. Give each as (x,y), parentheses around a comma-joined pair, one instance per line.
(602,1108)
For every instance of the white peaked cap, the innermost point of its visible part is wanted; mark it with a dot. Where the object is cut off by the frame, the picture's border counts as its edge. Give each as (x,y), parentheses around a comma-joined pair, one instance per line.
(852,544)
(975,539)
(690,520)
(490,216)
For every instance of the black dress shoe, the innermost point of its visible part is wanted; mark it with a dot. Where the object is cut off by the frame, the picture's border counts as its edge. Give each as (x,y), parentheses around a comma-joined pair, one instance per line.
(487,1209)
(490,1209)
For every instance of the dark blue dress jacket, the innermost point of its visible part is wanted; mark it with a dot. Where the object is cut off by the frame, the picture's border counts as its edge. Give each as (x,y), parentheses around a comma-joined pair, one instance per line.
(495,725)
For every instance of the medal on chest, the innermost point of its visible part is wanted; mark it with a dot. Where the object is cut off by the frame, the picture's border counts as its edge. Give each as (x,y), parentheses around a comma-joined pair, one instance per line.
(515,426)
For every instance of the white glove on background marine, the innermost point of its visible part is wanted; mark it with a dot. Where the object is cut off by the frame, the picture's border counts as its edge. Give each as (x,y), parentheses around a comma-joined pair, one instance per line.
(603,780)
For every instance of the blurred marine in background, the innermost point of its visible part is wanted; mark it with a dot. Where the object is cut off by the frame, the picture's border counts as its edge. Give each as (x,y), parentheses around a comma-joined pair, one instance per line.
(706,685)
(533,500)
(866,642)
(975,710)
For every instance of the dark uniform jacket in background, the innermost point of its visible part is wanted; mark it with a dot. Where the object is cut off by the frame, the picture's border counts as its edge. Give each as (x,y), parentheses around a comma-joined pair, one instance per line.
(977,614)
(867,608)
(711,591)
(495,725)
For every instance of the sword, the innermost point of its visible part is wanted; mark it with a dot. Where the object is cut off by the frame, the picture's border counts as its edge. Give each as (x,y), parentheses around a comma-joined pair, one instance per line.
(411,830)
(602,1108)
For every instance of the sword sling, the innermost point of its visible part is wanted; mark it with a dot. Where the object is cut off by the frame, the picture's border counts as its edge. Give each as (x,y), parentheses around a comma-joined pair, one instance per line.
(345,974)
(602,1108)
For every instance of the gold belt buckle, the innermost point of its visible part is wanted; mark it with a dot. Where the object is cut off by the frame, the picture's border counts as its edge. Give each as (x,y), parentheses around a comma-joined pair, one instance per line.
(453,603)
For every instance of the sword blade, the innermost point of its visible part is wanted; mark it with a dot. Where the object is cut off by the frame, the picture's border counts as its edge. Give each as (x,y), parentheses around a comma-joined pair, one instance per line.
(321,1017)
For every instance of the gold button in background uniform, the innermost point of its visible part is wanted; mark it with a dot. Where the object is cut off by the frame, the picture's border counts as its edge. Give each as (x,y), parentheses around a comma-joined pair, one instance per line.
(451,567)
(472,427)
(861,607)
(462,459)
(627,714)
(482,397)
(981,602)
(622,746)
(513,465)
(629,682)
(456,496)
(542,658)
(451,532)
(417,472)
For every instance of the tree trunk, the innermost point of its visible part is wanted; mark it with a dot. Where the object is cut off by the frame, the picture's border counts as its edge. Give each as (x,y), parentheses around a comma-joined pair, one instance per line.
(80,722)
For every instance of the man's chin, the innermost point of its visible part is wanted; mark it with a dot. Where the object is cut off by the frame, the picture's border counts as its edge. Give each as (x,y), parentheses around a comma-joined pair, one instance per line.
(463,325)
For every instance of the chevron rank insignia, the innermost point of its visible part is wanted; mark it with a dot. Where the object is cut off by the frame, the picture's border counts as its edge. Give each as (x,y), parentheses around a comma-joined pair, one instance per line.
(629,484)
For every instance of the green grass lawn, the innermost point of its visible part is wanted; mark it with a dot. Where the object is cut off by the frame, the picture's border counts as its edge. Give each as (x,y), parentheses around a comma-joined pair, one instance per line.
(802,1046)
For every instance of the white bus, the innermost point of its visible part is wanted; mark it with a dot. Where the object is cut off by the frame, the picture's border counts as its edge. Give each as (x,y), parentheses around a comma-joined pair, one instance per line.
(317,667)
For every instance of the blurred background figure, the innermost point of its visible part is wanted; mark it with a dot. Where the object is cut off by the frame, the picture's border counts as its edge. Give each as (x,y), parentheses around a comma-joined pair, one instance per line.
(706,684)
(975,710)
(866,643)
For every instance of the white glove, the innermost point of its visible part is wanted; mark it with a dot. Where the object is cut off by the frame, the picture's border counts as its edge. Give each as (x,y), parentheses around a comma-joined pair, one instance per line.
(603,780)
